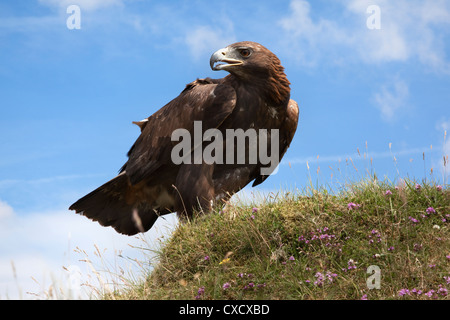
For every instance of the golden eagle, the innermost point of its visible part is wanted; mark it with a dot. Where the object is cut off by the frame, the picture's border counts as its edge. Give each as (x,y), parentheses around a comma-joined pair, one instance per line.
(253,98)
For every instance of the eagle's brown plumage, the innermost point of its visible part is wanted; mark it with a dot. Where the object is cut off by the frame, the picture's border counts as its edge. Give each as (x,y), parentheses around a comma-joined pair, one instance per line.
(255,94)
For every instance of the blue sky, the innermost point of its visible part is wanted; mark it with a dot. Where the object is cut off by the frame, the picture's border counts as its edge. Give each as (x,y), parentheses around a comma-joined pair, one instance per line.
(68,98)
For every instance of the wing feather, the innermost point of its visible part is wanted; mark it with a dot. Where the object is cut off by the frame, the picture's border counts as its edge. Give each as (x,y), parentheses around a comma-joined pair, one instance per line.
(287,132)
(202,100)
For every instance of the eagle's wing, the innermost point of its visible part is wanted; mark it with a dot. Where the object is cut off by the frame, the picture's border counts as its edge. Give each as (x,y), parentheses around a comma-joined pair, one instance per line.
(132,201)
(287,132)
(203,100)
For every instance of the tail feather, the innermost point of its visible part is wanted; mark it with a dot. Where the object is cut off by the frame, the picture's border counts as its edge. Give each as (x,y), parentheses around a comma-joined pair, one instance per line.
(107,205)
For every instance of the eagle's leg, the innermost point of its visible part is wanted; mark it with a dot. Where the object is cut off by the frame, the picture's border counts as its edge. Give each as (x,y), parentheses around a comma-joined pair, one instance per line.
(194,189)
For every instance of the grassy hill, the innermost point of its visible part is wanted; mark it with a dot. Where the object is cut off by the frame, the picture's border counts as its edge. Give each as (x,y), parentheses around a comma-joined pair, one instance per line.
(311,246)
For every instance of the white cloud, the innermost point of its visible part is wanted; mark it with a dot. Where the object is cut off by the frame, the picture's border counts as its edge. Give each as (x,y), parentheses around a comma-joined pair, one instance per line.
(89,5)
(385,44)
(5,211)
(392,99)
(201,39)
(41,245)
(441,162)
(354,156)
(443,125)
(409,30)
(310,40)
(446,149)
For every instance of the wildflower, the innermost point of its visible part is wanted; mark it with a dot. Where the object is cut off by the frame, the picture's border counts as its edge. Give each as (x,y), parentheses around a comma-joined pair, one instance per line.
(391,248)
(326,236)
(448,257)
(291,258)
(430,210)
(364,297)
(226,285)
(261,285)
(436,227)
(418,186)
(206,258)
(388,193)
(319,281)
(351,264)
(416,292)
(200,292)
(403,292)
(352,206)
(429,294)
(447,279)
(414,220)
(254,210)
(252,217)
(249,286)
(431,266)
(330,276)
(442,291)
(417,247)
(240,275)
(439,188)
(225,261)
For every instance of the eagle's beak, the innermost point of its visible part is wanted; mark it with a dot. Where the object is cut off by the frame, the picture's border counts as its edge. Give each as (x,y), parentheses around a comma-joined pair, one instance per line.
(226,55)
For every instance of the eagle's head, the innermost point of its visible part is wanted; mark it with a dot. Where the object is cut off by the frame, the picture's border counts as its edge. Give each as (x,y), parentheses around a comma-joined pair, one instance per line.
(251,62)
(243,57)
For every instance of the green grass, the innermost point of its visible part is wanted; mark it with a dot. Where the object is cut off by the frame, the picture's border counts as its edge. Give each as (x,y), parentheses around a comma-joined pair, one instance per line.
(310,246)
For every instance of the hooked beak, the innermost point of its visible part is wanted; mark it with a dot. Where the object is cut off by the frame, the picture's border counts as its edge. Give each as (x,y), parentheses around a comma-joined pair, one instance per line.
(226,55)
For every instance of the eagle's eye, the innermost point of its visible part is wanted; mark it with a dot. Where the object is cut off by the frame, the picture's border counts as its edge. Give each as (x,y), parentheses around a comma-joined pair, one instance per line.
(244,53)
